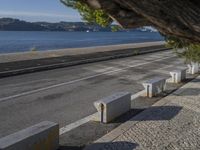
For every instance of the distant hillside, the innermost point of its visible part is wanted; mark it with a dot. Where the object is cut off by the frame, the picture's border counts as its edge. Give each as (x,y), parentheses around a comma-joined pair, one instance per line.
(9,24)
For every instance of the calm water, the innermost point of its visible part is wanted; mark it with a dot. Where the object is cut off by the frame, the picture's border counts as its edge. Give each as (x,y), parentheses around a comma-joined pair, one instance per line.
(18,41)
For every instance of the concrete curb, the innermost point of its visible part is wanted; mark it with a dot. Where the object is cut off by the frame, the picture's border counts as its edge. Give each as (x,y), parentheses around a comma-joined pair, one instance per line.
(74,63)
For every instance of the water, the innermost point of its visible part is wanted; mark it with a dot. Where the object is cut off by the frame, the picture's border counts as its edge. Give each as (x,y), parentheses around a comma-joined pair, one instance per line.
(20,41)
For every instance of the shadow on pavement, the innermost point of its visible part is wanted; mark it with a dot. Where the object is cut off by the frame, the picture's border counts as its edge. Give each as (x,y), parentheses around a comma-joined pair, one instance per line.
(122,145)
(156,113)
(188,92)
(151,114)
(104,146)
(91,131)
(70,148)
(196,80)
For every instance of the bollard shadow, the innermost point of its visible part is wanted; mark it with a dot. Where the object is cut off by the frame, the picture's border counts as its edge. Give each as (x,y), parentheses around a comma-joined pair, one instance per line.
(196,80)
(157,113)
(188,92)
(122,145)
(70,147)
(154,113)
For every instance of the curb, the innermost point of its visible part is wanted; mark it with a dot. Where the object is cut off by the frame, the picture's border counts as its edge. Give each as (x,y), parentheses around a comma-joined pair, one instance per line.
(73,63)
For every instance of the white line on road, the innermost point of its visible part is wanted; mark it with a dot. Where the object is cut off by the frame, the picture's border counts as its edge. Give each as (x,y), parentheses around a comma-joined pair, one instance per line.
(76,124)
(78,80)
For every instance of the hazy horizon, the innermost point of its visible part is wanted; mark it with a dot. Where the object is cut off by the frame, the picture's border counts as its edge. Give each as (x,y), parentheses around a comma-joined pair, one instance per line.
(42,20)
(37,11)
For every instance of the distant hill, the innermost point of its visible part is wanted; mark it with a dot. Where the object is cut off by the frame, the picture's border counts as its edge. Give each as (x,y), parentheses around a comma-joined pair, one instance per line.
(10,24)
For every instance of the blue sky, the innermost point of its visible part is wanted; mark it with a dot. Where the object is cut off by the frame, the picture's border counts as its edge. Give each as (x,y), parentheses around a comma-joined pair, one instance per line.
(38,10)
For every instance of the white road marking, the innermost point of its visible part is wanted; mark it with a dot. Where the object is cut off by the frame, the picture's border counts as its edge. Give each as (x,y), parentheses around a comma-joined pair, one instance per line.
(76,124)
(80,122)
(78,80)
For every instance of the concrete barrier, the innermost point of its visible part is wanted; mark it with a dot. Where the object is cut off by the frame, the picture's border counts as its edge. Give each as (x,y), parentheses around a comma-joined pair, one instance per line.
(113,106)
(42,136)
(178,75)
(154,86)
(193,68)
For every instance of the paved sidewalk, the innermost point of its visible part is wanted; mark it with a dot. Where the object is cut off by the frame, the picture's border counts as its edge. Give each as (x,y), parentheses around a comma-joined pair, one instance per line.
(30,55)
(173,123)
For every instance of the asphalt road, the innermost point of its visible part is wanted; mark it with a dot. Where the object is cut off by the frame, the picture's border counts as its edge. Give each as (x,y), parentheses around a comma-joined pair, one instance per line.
(66,95)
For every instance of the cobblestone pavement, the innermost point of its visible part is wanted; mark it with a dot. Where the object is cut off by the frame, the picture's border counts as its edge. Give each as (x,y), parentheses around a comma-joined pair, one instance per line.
(171,124)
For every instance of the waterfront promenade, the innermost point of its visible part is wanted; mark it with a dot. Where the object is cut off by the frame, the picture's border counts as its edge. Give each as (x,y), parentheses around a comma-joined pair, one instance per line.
(55,95)
(171,123)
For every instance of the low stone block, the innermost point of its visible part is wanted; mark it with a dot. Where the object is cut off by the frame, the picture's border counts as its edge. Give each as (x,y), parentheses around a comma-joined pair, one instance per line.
(193,68)
(154,86)
(42,136)
(113,106)
(178,75)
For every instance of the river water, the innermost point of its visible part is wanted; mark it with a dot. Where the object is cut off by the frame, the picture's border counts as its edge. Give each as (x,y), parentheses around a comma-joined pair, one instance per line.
(20,41)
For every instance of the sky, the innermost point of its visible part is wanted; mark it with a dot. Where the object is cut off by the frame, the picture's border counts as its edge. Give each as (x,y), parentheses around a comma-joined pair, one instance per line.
(38,10)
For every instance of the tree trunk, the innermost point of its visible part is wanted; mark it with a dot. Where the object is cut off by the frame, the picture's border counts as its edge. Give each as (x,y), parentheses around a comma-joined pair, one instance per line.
(180,18)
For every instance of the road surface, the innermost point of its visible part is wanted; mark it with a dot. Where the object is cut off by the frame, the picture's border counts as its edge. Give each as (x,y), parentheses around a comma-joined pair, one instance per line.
(66,95)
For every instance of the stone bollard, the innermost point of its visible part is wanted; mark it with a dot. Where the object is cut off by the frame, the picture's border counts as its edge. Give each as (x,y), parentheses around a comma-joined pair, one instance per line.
(113,106)
(178,75)
(154,86)
(193,68)
(42,136)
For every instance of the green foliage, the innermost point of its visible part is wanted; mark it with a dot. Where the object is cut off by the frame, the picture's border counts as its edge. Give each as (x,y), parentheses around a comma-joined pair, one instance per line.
(190,52)
(88,14)
(174,42)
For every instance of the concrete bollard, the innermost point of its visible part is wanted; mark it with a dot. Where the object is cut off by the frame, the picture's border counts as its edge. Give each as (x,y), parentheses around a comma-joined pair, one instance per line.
(42,136)
(178,75)
(113,106)
(193,68)
(154,86)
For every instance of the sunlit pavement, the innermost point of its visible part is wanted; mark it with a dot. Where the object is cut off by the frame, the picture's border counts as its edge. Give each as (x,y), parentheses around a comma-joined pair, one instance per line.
(171,123)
